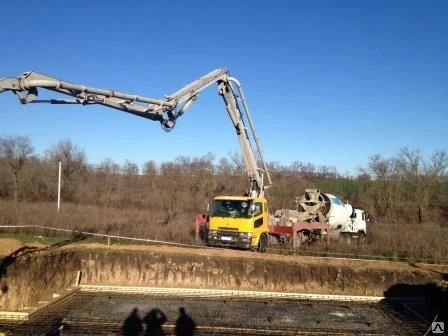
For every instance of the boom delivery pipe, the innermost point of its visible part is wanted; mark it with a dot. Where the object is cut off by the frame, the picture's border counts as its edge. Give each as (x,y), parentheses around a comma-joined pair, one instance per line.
(165,110)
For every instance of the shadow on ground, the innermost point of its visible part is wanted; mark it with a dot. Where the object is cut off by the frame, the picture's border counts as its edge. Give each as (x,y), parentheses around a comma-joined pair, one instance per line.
(423,304)
(7,261)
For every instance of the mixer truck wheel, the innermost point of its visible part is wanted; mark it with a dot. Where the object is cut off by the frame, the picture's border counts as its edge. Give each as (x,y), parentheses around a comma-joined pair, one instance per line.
(263,244)
(344,238)
(302,238)
(361,238)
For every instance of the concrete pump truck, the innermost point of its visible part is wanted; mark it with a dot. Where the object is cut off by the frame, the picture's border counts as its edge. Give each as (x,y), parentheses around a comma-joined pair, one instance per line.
(232,221)
(236,221)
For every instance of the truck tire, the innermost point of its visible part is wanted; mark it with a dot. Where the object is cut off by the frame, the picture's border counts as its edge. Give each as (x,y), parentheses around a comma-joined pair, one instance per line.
(345,238)
(301,239)
(362,238)
(263,243)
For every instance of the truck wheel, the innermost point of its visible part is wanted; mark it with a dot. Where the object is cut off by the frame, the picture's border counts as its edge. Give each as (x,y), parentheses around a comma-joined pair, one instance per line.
(361,238)
(345,238)
(301,239)
(263,244)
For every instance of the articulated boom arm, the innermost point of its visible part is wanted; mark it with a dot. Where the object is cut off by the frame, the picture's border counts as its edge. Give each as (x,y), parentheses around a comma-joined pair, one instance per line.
(165,110)
(231,98)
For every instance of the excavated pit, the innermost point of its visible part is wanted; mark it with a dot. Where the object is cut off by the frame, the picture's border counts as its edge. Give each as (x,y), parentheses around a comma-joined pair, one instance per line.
(109,313)
(34,276)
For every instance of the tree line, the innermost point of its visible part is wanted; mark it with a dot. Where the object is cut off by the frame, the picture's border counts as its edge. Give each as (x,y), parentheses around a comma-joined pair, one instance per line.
(407,187)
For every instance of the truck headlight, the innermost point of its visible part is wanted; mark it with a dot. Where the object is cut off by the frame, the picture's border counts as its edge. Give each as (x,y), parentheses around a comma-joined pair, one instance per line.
(246,235)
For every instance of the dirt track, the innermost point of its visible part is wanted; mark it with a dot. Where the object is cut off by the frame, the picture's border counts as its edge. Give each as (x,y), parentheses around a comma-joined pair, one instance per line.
(355,264)
(9,245)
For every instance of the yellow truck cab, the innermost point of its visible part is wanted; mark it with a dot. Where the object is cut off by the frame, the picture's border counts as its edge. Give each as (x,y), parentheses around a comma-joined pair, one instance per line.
(241,222)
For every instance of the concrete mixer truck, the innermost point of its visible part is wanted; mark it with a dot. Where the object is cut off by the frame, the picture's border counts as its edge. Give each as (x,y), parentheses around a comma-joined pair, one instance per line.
(316,216)
(320,215)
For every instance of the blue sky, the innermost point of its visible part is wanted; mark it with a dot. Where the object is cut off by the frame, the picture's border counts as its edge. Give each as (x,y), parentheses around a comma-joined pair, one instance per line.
(328,82)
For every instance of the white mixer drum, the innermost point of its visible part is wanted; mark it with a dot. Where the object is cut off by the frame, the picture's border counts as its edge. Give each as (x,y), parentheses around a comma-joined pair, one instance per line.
(338,214)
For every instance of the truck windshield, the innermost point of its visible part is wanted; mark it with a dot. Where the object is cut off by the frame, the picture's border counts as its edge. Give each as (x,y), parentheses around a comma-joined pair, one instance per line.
(231,208)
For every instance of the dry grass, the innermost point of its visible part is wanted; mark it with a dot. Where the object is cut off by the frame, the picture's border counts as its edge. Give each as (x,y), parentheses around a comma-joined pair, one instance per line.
(426,242)
(412,242)
(124,222)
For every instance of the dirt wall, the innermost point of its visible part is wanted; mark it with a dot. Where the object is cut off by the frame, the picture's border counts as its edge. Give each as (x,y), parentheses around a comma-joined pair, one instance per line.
(36,276)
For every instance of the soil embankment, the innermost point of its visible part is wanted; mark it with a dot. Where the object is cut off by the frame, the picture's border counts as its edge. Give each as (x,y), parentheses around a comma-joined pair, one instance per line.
(28,278)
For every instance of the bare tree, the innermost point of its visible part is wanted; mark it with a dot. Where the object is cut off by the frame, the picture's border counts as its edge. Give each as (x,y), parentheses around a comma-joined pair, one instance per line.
(203,169)
(150,168)
(106,180)
(237,160)
(39,180)
(172,182)
(74,163)
(438,165)
(327,172)
(420,175)
(224,167)
(5,180)
(129,181)
(435,170)
(385,173)
(16,150)
(130,168)
(410,163)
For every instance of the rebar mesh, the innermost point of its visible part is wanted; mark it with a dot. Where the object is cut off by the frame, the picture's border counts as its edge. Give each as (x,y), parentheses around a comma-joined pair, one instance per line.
(102,312)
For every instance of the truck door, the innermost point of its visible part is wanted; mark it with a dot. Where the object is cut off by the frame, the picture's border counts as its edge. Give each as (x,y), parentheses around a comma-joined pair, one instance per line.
(259,220)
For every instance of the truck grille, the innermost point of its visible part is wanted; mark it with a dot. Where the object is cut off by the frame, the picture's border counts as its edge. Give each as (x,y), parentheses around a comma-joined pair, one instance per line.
(231,232)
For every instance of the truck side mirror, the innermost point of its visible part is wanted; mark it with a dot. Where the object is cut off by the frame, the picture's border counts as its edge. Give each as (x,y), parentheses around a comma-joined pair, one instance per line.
(208,206)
